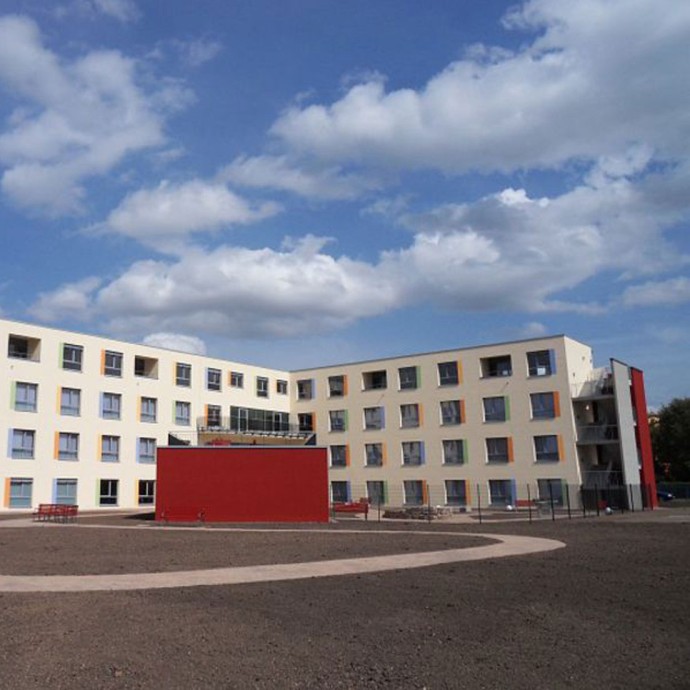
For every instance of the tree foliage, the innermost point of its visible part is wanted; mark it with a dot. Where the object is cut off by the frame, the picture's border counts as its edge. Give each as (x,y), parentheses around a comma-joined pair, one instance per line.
(671,439)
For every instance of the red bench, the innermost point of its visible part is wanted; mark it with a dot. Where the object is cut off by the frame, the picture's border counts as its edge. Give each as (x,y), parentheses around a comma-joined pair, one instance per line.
(361,506)
(56,512)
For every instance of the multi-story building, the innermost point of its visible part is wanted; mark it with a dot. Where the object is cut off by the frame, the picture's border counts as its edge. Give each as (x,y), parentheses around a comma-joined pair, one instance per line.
(83,416)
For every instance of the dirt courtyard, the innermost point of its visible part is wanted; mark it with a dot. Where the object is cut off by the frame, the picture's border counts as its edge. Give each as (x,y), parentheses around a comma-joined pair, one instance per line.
(611,610)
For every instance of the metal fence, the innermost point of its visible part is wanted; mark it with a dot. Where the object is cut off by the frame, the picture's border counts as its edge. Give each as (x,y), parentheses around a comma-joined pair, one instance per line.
(547,500)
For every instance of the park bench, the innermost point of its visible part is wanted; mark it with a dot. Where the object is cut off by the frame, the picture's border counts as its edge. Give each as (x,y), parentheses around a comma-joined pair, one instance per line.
(352,507)
(56,512)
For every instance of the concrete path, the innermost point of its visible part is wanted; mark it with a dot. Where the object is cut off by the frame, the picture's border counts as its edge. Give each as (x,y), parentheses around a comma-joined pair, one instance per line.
(505,545)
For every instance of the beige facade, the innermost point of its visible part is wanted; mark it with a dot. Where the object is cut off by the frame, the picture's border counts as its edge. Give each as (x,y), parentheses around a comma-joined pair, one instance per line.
(82,416)
(450,428)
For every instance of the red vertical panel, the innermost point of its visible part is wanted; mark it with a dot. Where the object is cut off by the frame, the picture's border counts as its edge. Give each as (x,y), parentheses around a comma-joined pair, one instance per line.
(644,439)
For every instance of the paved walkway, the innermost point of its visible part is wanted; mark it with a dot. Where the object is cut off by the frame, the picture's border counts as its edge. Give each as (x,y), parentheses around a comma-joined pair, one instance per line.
(505,545)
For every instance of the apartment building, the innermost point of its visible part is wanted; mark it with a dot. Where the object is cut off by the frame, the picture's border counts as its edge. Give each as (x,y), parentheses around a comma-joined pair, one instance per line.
(84,415)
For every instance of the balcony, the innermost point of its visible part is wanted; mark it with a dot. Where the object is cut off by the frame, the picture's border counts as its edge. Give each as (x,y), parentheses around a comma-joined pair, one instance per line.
(597,433)
(600,385)
(260,427)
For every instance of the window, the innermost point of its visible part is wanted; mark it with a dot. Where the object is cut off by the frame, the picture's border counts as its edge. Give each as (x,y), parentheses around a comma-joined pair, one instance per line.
(451,412)
(305,421)
(543,405)
(68,446)
(373,418)
(407,376)
(448,374)
(214,416)
(500,492)
(376,492)
(66,492)
(146,367)
(338,456)
(112,365)
(72,357)
(26,397)
(409,416)
(261,387)
(183,413)
(495,409)
(340,492)
(236,379)
(453,452)
(412,452)
(496,366)
(497,450)
(305,389)
(20,493)
(456,494)
(110,449)
(252,419)
(338,420)
(336,386)
(147,492)
(183,374)
(546,448)
(374,380)
(541,363)
(281,387)
(213,379)
(146,450)
(19,347)
(148,409)
(373,454)
(414,492)
(70,401)
(551,489)
(111,405)
(107,492)
(23,441)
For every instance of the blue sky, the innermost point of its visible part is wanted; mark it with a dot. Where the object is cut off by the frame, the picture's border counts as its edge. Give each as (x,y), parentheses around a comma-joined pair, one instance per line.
(314,181)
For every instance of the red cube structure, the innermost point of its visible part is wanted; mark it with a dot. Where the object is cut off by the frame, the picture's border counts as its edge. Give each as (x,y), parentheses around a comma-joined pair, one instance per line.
(242,484)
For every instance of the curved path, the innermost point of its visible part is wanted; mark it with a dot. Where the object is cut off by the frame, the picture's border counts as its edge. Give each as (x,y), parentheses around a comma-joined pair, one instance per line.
(506,545)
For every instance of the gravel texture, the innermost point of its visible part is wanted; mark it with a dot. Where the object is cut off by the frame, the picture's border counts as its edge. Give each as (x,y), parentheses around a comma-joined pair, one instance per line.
(609,611)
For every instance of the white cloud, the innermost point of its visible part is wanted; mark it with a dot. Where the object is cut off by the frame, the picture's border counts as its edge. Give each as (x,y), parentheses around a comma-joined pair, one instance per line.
(164,216)
(177,342)
(599,76)
(671,292)
(77,119)
(503,252)
(124,11)
(277,172)
(70,301)
(243,292)
(197,51)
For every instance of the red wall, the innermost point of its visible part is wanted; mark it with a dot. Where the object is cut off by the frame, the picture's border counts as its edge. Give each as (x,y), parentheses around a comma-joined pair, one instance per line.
(644,439)
(242,484)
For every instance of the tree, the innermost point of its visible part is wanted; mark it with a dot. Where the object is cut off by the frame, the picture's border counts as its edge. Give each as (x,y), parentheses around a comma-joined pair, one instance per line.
(671,439)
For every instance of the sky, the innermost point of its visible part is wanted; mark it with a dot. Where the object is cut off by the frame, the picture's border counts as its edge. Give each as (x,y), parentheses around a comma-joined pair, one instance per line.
(311,182)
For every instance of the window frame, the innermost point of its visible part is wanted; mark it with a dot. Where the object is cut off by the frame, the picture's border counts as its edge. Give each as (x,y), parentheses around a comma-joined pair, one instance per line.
(23,405)
(183,374)
(21,450)
(114,368)
(75,361)
(450,377)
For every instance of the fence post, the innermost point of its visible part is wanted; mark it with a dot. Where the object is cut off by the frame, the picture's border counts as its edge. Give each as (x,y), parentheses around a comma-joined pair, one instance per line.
(428,504)
(378,509)
(582,500)
(479,504)
(567,500)
(596,496)
(529,504)
(553,514)
(632,497)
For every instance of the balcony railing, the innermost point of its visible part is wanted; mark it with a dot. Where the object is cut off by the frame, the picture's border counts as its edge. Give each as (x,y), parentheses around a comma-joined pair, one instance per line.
(597,433)
(599,385)
(251,426)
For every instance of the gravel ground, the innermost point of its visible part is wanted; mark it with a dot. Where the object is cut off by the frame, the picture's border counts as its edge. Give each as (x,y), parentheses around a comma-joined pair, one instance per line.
(609,611)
